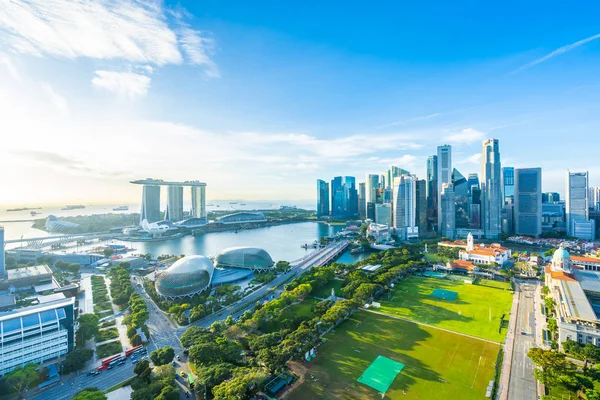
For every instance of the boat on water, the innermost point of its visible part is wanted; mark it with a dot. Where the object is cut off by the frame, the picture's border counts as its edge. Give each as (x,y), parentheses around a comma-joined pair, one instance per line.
(121,208)
(242,204)
(233,202)
(73,207)
(34,213)
(24,209)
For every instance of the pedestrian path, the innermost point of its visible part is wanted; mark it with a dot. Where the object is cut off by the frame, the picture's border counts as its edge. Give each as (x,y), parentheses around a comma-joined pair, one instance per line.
(509,344)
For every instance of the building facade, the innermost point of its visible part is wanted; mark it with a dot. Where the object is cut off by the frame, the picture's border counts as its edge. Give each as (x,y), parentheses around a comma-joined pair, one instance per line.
(344,197)
(198,202)
(448,211)
(405,207)
(150,204)
(421,206)
(528,201)
(36,334)
(362,203)
(576,206)
(444,176)
(432,193)
(322,198)
(175,203)
(2,259)
(491,188)
(383,214)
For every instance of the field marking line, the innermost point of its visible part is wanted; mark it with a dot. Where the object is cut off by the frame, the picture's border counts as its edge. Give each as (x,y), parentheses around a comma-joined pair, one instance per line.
(453,354)
(431,326)
(478,365)
(472,354)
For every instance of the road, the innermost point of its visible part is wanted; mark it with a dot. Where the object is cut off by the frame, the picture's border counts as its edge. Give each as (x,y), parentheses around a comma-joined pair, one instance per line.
(522,384)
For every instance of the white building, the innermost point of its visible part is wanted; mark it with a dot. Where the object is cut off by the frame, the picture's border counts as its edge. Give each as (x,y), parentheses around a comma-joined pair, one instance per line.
(579,224)
(405,207)
(571,290)
(380,233)
(484,254)
(491,189)
(36,334)
(444,176)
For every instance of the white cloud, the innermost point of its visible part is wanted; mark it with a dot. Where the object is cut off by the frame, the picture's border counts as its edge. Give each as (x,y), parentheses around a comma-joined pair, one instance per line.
(132,30)
(56,99)
(466,136)
(126,84)
(10,66)
(559,51)
(474,159)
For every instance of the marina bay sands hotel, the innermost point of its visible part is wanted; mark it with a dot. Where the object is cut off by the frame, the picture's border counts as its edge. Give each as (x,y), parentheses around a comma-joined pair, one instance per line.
(151,199)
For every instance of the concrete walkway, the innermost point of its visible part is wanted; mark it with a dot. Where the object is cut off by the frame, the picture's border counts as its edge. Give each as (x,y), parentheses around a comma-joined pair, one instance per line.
(540,319)
(430,326)
(509,344)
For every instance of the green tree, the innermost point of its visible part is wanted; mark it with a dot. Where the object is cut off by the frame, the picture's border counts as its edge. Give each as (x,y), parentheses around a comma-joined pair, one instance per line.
(88,326)
(591,394)
(551,365)
(213,375)
(162,356)
(21,378)
(10,261)
(77,358)
(90,394)
(141,367)
(108,252)
(242,386)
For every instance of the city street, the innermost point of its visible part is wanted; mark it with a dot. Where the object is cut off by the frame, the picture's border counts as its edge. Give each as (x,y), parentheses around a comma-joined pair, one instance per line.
(522,384)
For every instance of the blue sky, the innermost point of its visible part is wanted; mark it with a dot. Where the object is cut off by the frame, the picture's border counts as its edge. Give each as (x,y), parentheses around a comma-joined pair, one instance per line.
(259,99)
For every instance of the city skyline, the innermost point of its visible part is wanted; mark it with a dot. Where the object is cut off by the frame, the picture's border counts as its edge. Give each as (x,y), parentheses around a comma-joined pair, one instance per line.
(290,102)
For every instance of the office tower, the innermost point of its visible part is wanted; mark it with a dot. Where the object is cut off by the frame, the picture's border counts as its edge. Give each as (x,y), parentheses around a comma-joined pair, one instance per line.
(444,175)
(371,194)
(528,201)
(150,204)
(371,211)
(362,203)
(36,334)
(404,205)
(448,211)
(383,214)
(421,206)
(461,198)
(198,202)
(387,195)
(553,217)
(550,197)
(475,206)
(491,189)
(391,173)
(322,198)
(2,260)
(576,204)
(175,203)
(508,184)
(344,197)
(432,193)
(594,198)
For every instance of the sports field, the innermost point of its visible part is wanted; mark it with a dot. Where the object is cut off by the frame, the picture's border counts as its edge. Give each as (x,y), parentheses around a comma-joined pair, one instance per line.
(469,313)
(437,364)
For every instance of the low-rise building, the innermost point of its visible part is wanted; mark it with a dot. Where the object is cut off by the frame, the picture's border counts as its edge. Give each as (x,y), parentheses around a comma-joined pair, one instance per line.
(487,254)
(380,233)
(26,278)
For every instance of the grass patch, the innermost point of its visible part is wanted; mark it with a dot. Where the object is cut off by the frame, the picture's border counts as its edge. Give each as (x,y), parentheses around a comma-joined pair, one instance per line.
(290,317)
(494,284)
(432,258)
(438,364)
(106,334)
(126,382)
(469,313)
(325,291)
(108,324)
(108,349)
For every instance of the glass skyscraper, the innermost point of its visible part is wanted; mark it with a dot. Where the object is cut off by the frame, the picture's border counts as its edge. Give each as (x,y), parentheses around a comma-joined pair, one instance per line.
(150,204)
(175,203)
(322,198)
(198,202)
(432,193)
(528,201)
(461,197)
(508,184)
(491,188)
(444,175)
(344,197)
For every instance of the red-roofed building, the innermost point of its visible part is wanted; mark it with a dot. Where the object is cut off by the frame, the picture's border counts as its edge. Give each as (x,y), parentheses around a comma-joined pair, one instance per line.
(586,263)
(461,265)
(484,254)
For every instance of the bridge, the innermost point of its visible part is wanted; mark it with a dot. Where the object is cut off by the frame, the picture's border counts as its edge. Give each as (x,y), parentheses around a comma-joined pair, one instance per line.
(57,240)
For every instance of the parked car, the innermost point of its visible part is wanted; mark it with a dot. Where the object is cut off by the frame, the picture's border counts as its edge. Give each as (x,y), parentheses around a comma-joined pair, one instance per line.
(182,374)
(178,357)
(134,361)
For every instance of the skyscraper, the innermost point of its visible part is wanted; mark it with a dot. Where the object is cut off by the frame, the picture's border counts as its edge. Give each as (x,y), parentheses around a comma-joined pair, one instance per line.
(594,198)
(444,175)
(448,211)
(362,203)
(404,206)
(508,184)
(337,198)
(491,188)
(322,198)
(2,260)
(371,197)
(383,214)
(432,193)
(393,172)
(150,204)
(461,198)
(421,206)
(528,201)
(576,204)
(198,202)
(344,197)
(175,203)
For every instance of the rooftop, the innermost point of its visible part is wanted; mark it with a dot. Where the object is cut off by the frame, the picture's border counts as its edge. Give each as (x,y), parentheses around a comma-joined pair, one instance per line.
(160,182)
(589,280)
(371,268)
(28,272)
(575,301)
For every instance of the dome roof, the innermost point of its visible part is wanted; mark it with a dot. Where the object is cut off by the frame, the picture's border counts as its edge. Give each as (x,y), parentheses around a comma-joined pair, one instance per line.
(561,260)
(186,277)
(561,254)
(244,257)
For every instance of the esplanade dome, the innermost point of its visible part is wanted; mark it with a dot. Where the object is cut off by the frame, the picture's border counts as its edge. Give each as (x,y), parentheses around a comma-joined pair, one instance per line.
(561,260)
(244,257)
(187,276)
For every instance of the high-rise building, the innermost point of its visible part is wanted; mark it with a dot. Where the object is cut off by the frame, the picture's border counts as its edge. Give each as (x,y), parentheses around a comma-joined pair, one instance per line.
(150,204)
(372,195)
(444,175)
(576,206)
(448,211)
(344,197)
(508,184)
(383,214)
(528,201)
(421,206)
(491,188)
(405,207)
(175,203)
(474,202)
(393,172)
(337,198)
(322,198)
(371,211)
(2,260)
(362,204)
(594,198)
(37,333)
(461,198)
(198,202)
(550,197)
(432,193)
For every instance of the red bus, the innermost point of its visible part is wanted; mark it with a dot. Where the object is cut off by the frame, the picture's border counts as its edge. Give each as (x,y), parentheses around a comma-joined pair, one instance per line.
(129,352)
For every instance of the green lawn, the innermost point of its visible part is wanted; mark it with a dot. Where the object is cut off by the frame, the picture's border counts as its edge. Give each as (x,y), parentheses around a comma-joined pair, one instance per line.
(494,284)
(469,313)
(325,291)
(438,364)
(108,349)
(293,314)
